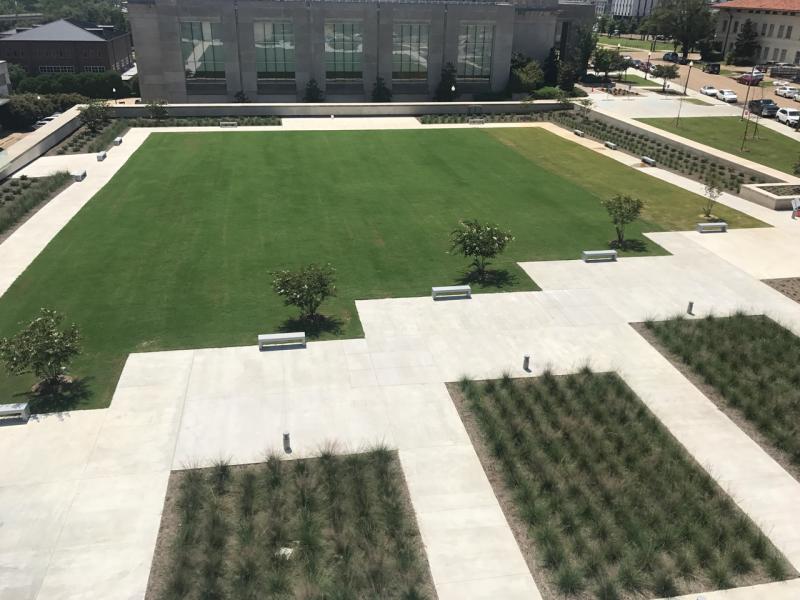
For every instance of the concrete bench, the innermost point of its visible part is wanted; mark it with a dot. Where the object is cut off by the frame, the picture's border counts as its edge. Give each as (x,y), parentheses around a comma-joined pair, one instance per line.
(795,207)
(451,291)
(599,255)
(649,161)
(477,121)
(267,340)
(78,175)
(19,411)
(101,156)
(611,145)
(718,227)
(117,141)
(579,133)
(228,123)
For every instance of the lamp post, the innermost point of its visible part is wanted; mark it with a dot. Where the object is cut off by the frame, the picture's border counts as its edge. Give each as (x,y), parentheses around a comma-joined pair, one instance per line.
(685,86)
(647,66)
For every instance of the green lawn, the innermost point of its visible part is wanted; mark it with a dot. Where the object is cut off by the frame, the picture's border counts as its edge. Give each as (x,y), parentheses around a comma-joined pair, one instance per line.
(634,43)
(636,80)
(177,250)
(725,133)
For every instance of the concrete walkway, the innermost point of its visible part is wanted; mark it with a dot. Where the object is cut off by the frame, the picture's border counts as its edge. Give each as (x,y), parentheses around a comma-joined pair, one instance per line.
(82,522)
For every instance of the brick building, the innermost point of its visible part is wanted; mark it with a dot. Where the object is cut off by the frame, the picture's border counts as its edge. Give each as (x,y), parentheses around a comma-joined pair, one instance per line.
(64,47)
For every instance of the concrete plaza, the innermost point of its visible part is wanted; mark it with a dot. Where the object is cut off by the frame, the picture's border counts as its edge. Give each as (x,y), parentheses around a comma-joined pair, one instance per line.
(81,502)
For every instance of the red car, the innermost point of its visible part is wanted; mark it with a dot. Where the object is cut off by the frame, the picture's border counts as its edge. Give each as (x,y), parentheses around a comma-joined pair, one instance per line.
(750,79)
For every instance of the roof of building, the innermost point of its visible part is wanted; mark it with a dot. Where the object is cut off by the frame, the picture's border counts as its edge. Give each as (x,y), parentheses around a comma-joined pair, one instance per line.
(779,5)
(56,31)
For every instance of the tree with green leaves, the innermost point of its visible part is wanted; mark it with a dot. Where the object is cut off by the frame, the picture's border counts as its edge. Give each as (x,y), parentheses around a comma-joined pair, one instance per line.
(665,72)
(567,75)
(581,44)
(712,191)
(95,115)
(446,90)
(480,242)
(380,92)
(307,288)
(685,21)
(313,92)
(550,67)
(623,211)
(529,77)
(606,60)
(746,48)
(42,347)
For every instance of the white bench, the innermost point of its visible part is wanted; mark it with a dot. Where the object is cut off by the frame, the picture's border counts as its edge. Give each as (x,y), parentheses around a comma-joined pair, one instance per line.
(267,340)
(228,123)
(599,255)
(451,291)
(78,175)
(718,227)
(19,410)
(649,161)
(117,141)
(795,207)
(611,145)
(579,133)
(477,121)
(101,156)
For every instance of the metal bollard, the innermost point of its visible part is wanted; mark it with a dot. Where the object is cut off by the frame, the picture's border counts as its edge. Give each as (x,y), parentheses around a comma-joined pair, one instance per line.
(526,363)
(690,308)
(287,444)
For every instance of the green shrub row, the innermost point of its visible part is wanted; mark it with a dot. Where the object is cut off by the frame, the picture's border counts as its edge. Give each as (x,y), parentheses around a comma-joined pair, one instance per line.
(18,196)
(666,155)
(203,121)
(494,118)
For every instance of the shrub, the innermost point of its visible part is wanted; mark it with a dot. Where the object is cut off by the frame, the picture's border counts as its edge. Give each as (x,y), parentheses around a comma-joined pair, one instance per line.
(307,288)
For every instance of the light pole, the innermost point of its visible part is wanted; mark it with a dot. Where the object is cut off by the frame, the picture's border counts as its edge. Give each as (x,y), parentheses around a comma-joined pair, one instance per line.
(647,66)
(685,86)
(747,95)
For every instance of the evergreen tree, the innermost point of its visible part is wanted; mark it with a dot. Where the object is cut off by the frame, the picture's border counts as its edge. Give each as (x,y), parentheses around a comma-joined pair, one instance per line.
(746,48)
(550,67)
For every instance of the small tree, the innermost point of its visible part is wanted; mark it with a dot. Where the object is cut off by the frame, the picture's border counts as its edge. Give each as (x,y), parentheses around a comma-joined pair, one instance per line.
(380,92)
(95,114)
(313,92)
(480,242)
(157,109)
(745,50)
(665,72)
(550,67)
(529,77)
(605,60)
(305,288)
(623,210)
(446,90)
(712,192)
(42,348)
(585,105)
(567,75)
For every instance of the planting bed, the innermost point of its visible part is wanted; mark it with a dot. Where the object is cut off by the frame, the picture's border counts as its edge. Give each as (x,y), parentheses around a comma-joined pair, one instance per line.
(789,287)
(604,502)
(19,196)
(753,366)
(334,527)
(86,141)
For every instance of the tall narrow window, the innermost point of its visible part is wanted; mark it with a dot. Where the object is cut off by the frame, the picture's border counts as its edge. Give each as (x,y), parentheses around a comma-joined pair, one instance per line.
(274,50)
(410,51)
(475,51)
(344,46)
(202,50)
(780,31)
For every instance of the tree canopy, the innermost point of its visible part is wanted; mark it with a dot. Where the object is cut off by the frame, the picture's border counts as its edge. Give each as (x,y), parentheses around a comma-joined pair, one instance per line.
(686,21)
(745,50)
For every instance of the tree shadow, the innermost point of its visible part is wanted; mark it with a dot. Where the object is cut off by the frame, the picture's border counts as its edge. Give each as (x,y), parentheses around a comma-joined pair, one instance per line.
(495,278)
(314,326)
(629,245)
(66,395)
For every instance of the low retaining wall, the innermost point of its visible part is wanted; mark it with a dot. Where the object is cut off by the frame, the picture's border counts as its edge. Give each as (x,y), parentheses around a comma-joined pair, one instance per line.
(34,145)
(367,109)
(761,194)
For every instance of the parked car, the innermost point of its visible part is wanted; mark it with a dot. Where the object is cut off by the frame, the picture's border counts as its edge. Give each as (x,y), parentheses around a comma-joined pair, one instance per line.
(764,107)
(636,63)
(787,91)
(727,96)
(750,79)
(671,57)
(708,90)
(780,83)
(790,116)
(712,68)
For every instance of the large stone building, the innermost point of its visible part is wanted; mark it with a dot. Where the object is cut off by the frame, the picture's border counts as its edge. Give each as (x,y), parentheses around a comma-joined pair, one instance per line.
(210,50)
(66,47)
(777,23)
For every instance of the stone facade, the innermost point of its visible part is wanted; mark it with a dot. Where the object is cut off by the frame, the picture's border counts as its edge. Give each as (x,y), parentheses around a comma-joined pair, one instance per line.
(531,28)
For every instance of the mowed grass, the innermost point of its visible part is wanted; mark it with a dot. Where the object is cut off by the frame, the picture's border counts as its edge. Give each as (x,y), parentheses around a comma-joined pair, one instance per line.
(177,250)
(772,149)
(607,502)
(636,43)
(329,527)
(753,363)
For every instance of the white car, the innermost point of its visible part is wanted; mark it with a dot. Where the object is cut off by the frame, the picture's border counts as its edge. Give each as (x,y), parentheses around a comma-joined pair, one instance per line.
(787,91)
(727,95)
(708,90)
(780,83)
(790,116)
